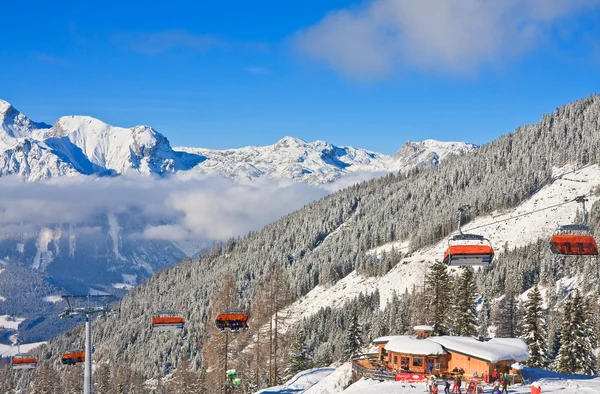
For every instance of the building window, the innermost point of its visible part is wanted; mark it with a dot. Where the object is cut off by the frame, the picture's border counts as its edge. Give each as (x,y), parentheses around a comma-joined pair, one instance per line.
(417,361)
(437,366)
(395,360)
(404,362)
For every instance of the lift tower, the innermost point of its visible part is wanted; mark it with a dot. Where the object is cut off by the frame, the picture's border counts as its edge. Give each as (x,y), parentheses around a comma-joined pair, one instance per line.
(87,305)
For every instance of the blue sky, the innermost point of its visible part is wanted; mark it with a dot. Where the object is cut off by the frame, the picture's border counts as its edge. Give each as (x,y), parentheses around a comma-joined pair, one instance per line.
(371,74)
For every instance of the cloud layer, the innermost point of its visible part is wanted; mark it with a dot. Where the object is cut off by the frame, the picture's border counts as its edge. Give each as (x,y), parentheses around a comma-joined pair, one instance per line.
(180,208)
(456,36)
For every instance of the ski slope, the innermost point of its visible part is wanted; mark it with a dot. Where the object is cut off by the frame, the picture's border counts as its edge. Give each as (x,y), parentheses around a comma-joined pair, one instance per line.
(502,228)
(301,382)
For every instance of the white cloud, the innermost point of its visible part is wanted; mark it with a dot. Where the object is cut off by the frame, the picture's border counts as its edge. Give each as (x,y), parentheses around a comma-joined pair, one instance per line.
(179,208)
(456,36)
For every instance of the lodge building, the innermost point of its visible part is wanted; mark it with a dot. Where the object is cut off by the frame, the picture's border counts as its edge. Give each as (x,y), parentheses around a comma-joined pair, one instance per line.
(423,353)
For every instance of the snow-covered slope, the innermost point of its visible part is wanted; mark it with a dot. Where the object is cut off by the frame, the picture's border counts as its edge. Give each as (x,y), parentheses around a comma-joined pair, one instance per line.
(508,229)
(319,162)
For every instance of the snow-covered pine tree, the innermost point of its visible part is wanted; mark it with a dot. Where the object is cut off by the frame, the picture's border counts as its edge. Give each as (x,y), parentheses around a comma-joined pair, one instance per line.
(45,380)
(353,343)
(464,319)
(563,362)
(102,379)
(6,380)
(300,359)
(591,338)
(484,317)
(504,316)
(535,331)
(72,381)
(185,381)
(438,290)
(578,344)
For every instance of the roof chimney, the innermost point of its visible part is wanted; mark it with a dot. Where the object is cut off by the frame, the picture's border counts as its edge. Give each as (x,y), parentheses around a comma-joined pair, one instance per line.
(423,331)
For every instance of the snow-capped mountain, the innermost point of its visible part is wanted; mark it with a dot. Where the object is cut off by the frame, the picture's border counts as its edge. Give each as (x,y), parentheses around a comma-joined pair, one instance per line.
(82,145)
(319,162)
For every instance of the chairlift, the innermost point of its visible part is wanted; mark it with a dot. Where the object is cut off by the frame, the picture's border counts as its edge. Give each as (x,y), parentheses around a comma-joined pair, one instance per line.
(72,358)
(574,239)
(167,321)
(468,249)
(234,320)
(22,361)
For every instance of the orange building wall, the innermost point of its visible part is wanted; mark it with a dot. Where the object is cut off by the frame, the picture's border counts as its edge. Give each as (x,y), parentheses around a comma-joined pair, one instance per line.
(447,363)
(472,365)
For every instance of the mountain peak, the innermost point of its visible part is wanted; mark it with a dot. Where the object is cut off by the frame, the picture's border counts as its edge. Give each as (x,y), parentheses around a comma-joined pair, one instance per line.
(290,141)
(5,107)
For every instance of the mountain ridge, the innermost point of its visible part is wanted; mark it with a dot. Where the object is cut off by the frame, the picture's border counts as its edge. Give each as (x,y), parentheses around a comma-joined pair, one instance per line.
(83,145)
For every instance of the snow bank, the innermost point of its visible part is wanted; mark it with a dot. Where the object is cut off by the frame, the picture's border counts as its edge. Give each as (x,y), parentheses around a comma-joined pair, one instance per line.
(300,382)
(334,383)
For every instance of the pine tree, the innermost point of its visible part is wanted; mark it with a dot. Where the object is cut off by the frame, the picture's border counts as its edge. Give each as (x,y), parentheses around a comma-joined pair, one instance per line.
(535,331)
(438,295)
(45,380)
(185,381)
(505,316)
(591,340)
(578,342)
(464,307)
(353,343)
(102,380)
(300,359)
(484,318)
(563,362)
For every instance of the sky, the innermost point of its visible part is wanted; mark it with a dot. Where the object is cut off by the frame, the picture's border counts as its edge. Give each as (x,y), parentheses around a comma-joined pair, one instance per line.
(371,74)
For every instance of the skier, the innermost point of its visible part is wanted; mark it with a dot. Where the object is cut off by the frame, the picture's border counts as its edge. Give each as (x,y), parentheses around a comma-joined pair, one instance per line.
(447,388)
(505,384)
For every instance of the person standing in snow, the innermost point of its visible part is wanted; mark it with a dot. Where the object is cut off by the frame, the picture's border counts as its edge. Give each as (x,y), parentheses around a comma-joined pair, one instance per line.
(505,384)
(447,388)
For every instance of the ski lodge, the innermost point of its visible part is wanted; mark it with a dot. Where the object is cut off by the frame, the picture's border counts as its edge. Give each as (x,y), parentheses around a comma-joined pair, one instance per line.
(440,355)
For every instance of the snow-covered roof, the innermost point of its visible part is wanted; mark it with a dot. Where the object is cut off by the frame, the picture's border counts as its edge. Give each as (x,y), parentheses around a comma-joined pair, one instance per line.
(494,350)
(409,344)
(423,328)
(385,339)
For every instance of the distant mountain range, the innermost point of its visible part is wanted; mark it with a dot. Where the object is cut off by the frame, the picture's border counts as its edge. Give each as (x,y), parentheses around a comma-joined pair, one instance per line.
(81,145)
(102,253)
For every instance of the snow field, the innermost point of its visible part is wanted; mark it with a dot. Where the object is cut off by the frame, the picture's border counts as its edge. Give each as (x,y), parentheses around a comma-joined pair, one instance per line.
(10,322)
(53,299)
(10,350)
